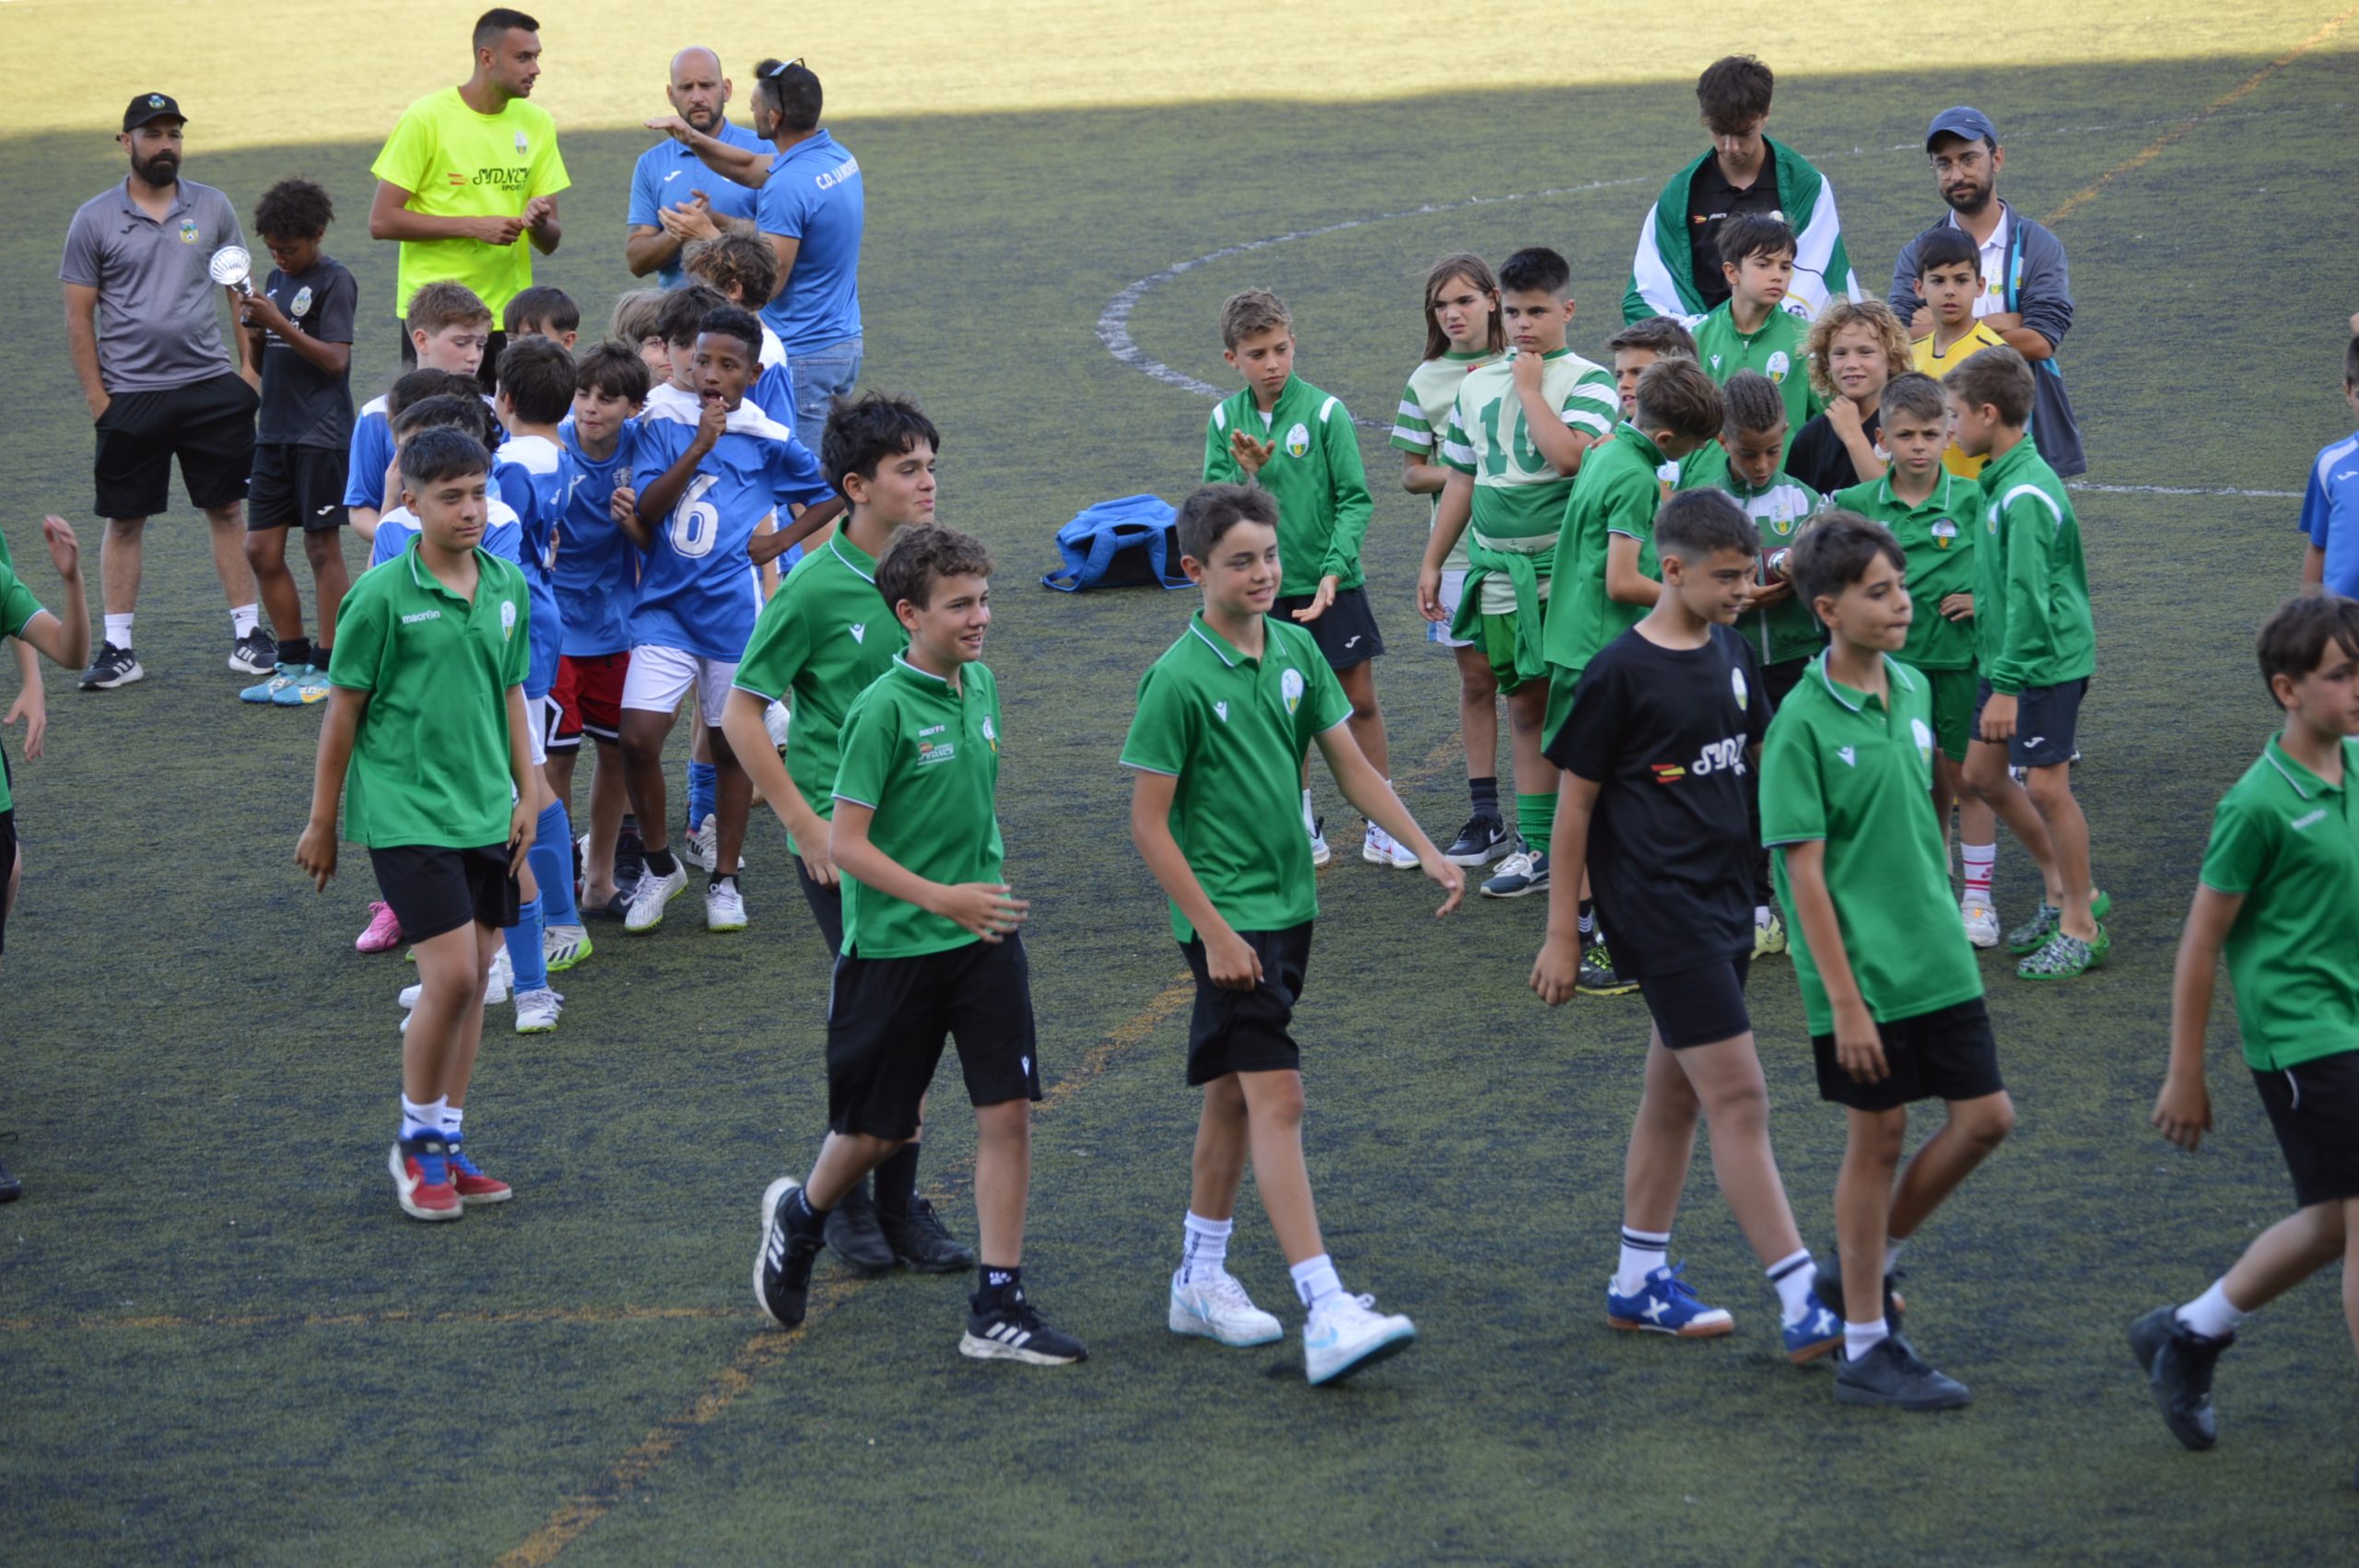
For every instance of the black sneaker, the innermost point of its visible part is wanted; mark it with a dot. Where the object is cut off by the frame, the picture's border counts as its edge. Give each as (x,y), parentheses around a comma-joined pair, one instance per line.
(783,1266)
(921,1241)
(1598,976)
(852,1233)
(630,855)
(1830,1286)
(1891,1374)
(112,667)
(2178,1362)
(256,653)
(10,1188)
(1016,1332)
(1481,841)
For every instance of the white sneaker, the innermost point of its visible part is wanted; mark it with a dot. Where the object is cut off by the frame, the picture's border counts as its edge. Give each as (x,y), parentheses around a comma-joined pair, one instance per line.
(724,907)
(503,974)
(1345,1333)
(564,946)
(1218,1308)
(775,719)
(647,898)
(536,1011)
(1380,849)
(1981,923)
(698,851)
(1320,853)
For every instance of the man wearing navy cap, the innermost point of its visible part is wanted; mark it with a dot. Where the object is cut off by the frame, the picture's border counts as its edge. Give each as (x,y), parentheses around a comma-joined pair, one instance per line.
(2026,286)
(143,330)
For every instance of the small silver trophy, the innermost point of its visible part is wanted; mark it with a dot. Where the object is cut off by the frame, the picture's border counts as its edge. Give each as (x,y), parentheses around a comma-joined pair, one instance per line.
(232,266)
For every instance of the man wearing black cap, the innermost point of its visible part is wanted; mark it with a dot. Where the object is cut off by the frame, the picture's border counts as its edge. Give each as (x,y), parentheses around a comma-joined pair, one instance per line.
(2026,286)
(143,325)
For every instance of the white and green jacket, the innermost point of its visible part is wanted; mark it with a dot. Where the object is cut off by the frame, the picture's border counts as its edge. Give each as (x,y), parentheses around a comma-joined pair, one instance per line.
(1662,276)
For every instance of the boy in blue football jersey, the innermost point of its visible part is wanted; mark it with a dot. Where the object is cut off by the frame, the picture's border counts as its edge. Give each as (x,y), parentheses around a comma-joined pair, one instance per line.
(745,268)
(449,327)
(597,584)
(708,491)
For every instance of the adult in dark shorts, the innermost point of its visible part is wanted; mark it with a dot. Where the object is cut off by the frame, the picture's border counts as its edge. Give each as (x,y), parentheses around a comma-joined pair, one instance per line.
(143,326)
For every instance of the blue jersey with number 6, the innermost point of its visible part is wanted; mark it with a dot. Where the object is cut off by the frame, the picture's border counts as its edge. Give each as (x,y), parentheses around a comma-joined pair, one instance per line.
(699,592)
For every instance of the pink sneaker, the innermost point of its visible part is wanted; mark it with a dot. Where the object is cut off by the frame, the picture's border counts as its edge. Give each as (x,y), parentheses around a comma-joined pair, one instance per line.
(385,932)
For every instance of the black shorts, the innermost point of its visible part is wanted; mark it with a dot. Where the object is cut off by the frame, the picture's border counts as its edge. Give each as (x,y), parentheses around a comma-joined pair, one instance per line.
(1345,631)
(1701,1006)
(1246,1031)
(827,906)
(1948,1054)
(887,1018)
(433,890)
(2314,1106)
(487,373)
(2047,720)
(208,424)
(8,864)
(295,487)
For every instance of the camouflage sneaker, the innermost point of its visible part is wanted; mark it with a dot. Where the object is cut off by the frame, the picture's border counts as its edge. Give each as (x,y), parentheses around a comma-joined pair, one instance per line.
(2063,957)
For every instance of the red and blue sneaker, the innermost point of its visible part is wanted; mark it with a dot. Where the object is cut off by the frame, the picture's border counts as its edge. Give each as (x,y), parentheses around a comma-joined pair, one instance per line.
(421,1168)
(473,1186)
(1665,1305)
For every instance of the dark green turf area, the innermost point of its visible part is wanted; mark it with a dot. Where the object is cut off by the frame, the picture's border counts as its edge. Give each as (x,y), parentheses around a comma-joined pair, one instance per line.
(204,1072)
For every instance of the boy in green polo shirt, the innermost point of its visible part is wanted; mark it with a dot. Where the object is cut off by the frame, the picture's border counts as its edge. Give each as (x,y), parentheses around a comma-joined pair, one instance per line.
(1933,513)
(1751,330)
(1515,442)
(2280,895)
(1889,983)
(825,638)
(1297,442)
(2037,648)
(1226,719)
(427,715)
(1606,580)
(931,948)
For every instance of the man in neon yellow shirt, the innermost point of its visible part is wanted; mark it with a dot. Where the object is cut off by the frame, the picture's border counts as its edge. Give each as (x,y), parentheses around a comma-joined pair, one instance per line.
(468,172)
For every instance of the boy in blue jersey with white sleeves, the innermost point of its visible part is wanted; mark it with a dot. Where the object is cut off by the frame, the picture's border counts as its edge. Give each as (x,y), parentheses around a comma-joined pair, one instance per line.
(597,585)
(449,328)
(706,491)
(529,471)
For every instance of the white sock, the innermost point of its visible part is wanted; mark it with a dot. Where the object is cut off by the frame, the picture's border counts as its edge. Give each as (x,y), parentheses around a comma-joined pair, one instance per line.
(453,1118)
(1794,1276)
(1858,1339)
(1982,858)
(1205,1251)
(419,1121)
(2212,1314)
(1315,1281)
(1309,820)
(242,619)
(118,631)
(1642,1253)
(1761,914)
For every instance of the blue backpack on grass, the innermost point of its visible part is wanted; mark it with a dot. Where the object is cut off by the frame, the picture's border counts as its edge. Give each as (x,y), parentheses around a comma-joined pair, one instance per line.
(1128,543)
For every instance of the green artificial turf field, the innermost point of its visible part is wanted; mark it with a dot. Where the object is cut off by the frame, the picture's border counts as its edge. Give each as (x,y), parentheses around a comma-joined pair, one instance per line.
(218,1338)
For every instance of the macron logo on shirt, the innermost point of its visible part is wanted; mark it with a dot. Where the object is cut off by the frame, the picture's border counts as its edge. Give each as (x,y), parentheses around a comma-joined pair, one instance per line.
(859,633)
(411,620)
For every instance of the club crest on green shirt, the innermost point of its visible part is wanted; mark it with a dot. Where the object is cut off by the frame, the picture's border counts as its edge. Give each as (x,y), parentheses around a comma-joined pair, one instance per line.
(1924,737)
(991,734)
(1298,440)
(1944,533)
(1777,367)
(1290,686)
(508,620)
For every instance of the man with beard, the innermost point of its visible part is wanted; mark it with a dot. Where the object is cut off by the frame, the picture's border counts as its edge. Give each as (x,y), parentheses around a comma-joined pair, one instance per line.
(467,172)
(812,211)
(2027,284)
(143,327)
(674,199)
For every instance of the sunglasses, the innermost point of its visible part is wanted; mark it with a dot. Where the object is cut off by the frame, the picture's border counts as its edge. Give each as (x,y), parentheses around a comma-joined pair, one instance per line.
(782,69)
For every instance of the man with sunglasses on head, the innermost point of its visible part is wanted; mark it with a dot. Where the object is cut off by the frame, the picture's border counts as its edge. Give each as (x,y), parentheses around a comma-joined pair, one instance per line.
(2027,284)
(813,209)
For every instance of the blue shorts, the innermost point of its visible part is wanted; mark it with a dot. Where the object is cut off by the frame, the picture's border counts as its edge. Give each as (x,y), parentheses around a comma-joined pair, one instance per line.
(2047,720)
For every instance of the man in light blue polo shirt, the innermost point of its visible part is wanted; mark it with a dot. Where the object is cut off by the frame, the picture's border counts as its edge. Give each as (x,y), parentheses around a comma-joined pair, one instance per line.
(812,212)
(665,184)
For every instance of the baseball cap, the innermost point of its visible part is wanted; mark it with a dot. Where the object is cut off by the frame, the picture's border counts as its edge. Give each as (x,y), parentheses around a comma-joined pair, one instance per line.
(151,106)
(1965,122)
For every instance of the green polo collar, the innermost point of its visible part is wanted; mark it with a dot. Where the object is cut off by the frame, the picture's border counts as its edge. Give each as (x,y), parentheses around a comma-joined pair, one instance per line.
(1894,670)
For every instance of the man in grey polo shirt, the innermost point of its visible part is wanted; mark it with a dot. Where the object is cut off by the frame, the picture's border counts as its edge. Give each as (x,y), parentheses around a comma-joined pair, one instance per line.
(143,326)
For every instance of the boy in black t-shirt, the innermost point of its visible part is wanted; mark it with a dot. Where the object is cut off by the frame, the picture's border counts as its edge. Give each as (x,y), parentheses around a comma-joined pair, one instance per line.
(299,329)
(1662,734)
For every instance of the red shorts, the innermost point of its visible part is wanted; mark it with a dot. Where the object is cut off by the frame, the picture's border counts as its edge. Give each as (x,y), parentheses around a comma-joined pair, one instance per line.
(588,698)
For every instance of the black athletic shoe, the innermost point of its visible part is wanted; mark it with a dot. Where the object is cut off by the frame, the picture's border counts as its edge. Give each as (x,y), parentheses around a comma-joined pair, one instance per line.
(852,1233)
(1830,1286)
(256,653)
(1481,841)
(783,1266)
(112,667)
(921,1241)
(10,1188)
(630,854)
(1598,977)
(1891,1374)
(1017,1332)
(2178,1362)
